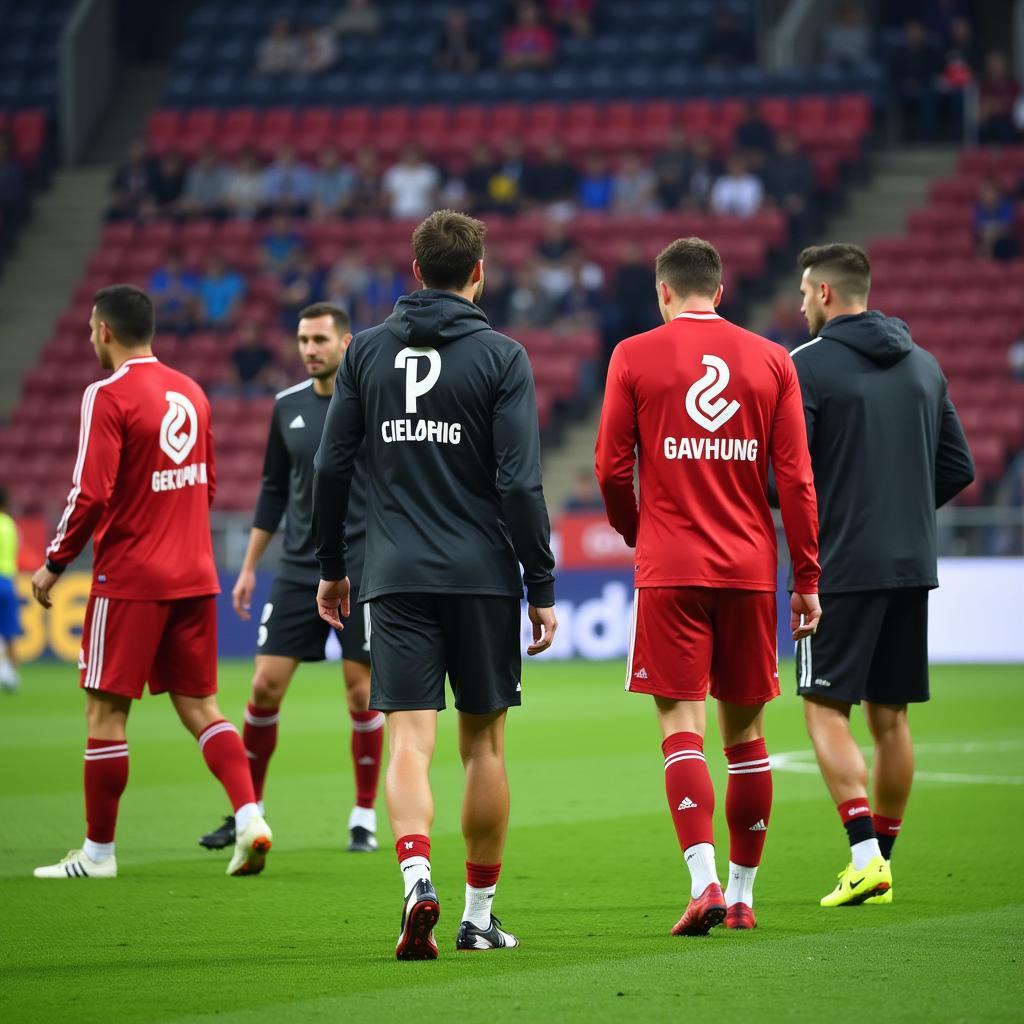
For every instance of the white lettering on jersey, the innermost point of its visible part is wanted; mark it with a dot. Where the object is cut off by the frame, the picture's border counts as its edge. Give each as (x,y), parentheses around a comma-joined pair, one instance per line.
(175,479)
(436,431)
(724,449)
(702,401)
(175,442)
(414,388)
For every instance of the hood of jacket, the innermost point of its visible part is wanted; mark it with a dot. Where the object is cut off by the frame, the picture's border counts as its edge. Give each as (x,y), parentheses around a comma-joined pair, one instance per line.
(432,318)
(882,339)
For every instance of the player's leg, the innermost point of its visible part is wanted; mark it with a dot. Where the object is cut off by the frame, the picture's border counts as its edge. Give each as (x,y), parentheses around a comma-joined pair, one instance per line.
(893,769)
(272,673)
(10,629)
(367,742)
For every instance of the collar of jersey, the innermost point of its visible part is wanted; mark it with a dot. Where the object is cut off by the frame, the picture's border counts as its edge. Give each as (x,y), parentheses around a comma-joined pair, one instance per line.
(702,315)
(141,359)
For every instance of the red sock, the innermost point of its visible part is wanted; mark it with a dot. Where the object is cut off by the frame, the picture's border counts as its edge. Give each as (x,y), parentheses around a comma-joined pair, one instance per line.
(748,801)
(480,876)
(691,797)
(222,748)
(887,830)
(412,846)
(260,739)
(106,775)
(367,745)
(856,818)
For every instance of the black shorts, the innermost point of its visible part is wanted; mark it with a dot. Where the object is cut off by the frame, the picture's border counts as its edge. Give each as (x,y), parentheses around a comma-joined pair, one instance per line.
(870,646)
(419,638)
(291,628)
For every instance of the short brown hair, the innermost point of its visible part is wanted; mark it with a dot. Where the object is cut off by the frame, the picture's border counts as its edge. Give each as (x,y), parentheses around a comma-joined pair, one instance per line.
(690,266)
(128,312)
(845,267)
(341,318)
(447,246)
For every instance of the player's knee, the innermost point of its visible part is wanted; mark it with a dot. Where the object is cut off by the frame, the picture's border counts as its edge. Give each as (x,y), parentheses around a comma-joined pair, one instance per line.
(266,690)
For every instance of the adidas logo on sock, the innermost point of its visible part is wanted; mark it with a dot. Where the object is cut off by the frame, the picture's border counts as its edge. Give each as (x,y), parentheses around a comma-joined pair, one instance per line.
(366,760)
(640,674)
(686,805)
(758,826)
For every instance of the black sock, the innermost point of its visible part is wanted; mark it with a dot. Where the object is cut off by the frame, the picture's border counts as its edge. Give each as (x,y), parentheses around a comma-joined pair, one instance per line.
(885,844)
(859,829)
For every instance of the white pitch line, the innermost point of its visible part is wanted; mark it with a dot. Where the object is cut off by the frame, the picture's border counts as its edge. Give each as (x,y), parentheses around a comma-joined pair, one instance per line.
(794,761)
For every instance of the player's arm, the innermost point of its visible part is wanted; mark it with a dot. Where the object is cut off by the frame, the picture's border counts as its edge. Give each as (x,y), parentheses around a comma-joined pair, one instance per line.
(92,483)
(954,466)
(334,465)
(516,438)
(798,501)
(615,451)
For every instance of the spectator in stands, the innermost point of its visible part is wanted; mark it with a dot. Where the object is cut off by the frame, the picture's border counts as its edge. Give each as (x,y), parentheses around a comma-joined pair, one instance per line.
(755,135)
(368,199)
(528,42)
(846,41)
(13,193)
(278,51)
(597,185)
(553,269)
(672,168)
(583,300)
(245,192)
(497,295)
(993,223)
(348,280)
(288,183)
(252,360)
(477,179)
(384,287)
(635,188)
(175,294)
(411,185)
(552,181)
(131,184)
(302,283)
(333,185)
(916,69)
(280,243)
(1016,359)
(997,95)
(358,18)
(573,17)
(941,15)
(586,495)
(530,305)
(457,48)
(316,50)
(507,186)
(221,291)
(788,328)
(738,192)
(555,245)
(789,182)
(205,185)
(631,303)
(704,172)
(727,45)
(960,68)
(167,183)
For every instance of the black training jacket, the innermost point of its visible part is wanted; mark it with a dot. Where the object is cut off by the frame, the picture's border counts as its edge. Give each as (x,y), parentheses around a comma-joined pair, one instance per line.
(887,449)
(454,497)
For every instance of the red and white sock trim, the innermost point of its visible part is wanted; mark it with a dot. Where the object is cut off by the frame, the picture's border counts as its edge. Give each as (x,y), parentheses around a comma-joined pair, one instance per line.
(762,764)
(215,730)
(370,726)
(105,753)
(259,720)
(683,755)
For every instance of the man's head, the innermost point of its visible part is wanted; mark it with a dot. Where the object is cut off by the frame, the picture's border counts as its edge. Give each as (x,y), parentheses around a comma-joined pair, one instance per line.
(688,268)
(836,281)
(122,316)
(325,331)
(449,251)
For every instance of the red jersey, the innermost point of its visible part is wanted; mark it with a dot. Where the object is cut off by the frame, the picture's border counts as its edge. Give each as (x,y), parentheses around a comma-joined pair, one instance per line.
(143,484)
(705,405)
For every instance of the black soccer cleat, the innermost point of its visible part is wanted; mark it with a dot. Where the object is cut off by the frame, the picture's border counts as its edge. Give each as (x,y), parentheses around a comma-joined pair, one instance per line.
(221,837)
(361,840)
(473,938)
(419,915)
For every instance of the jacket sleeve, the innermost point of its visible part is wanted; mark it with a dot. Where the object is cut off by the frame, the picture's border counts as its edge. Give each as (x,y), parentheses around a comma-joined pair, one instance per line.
(333,467)
(809,393)
(273,499)
(795,482)
(92,482)
(615,451)
(954,466)
(517,457)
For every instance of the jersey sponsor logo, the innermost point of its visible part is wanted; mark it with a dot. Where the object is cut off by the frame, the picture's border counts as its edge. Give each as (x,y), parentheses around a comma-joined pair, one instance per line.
(298,423)
(409,360)
(437,431)
(176,479)
(703,403)
(179,427)
(722,449)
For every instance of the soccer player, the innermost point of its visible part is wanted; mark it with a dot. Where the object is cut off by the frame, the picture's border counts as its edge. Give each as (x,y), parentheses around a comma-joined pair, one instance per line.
(290,630)
(10,627)
(887,449)
(705,407)
(142,486)
(455,505)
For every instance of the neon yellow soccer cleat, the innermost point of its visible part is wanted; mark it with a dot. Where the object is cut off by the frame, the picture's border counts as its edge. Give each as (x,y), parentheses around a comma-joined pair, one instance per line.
(855,887)
(883,897)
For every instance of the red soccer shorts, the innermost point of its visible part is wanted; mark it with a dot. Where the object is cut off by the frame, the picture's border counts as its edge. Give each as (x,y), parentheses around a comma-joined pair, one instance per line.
(685,638)
(172,645)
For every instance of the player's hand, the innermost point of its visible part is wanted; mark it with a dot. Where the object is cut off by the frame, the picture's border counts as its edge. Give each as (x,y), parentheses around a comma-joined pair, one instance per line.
(241,594)
(806,615)
(332,601)
(544,626)
(42,584)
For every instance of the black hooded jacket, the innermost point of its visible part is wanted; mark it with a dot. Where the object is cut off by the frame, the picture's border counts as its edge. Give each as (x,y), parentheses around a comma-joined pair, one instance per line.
(454,497)
(887,449)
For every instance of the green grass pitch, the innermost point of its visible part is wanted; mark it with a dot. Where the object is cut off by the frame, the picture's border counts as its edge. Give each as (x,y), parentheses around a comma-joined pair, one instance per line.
(593,879)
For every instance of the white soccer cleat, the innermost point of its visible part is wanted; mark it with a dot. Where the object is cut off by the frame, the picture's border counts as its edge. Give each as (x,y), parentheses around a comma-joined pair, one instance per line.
(251,848)
(77,865)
